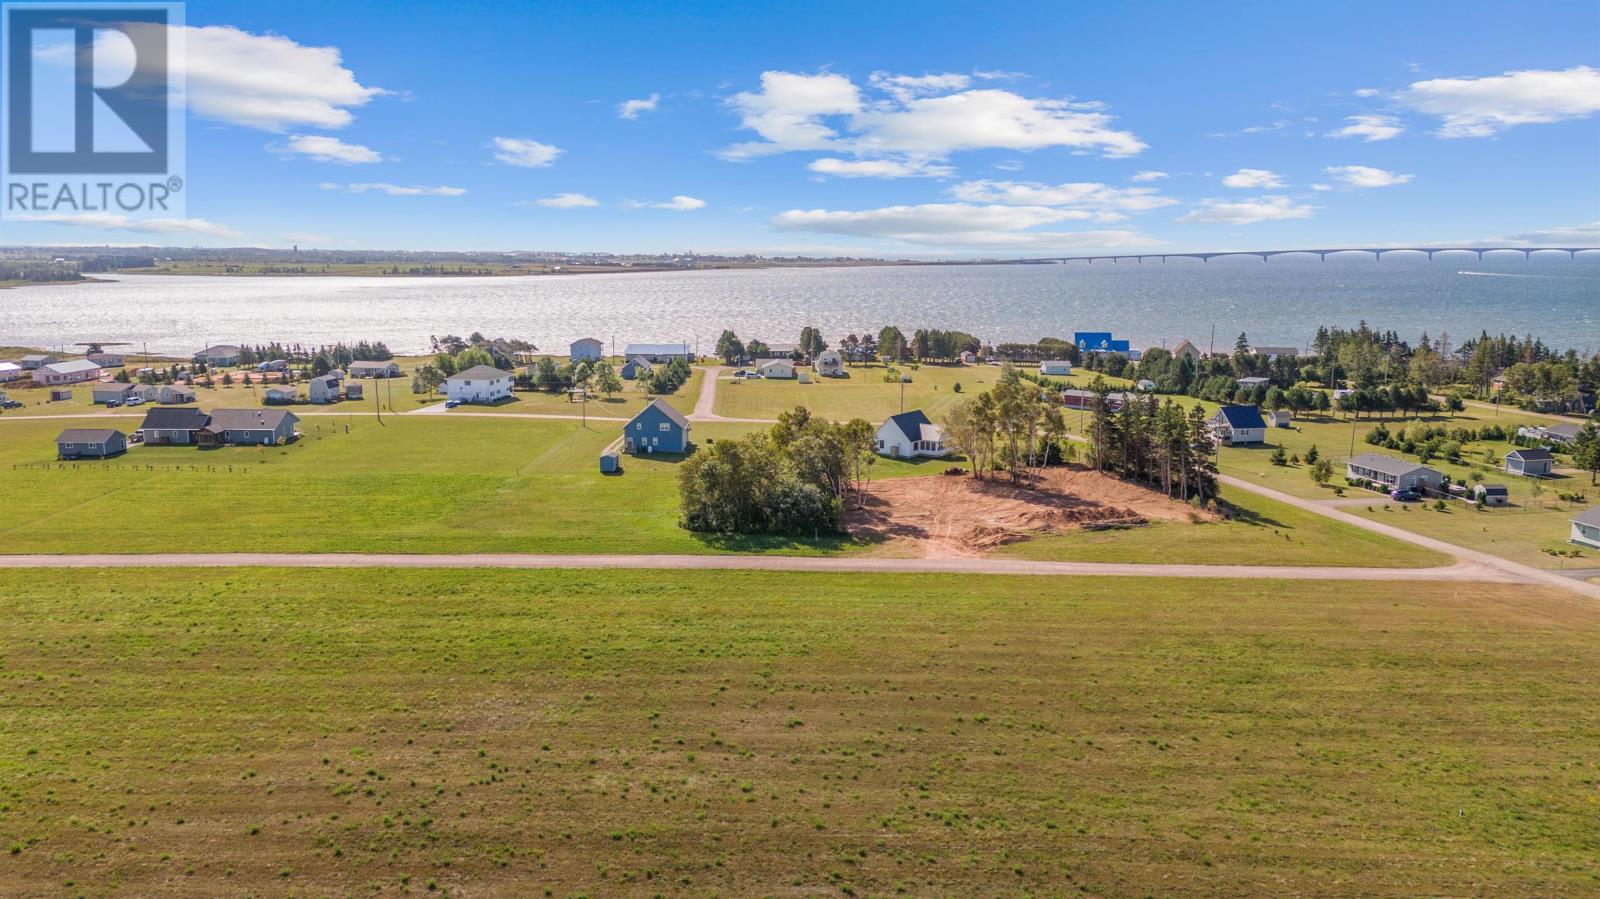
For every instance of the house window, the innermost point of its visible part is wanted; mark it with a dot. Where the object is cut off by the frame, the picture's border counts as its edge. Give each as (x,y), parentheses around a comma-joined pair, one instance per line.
(638,426)
(665,427)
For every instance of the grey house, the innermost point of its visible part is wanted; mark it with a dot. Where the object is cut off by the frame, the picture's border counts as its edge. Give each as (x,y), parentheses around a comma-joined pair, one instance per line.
(90,443)
(325,389)
(1533,463)
(1395,474)
(658,428)
(248,427)
(1586,529)
(164,426)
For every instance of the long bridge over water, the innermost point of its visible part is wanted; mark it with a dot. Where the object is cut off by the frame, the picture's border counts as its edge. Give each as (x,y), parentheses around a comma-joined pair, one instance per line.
(1323,254)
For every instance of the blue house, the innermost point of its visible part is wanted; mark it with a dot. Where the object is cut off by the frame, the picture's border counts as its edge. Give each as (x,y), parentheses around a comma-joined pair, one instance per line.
(658,428)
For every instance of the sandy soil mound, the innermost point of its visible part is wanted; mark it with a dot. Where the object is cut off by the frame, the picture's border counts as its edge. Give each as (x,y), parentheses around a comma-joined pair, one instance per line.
(944,516)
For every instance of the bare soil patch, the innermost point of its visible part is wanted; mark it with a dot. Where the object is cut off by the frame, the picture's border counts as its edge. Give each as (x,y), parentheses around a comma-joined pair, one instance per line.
(949,517)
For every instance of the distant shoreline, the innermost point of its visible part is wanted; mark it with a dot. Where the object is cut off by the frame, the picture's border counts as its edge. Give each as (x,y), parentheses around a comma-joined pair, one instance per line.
(376,270)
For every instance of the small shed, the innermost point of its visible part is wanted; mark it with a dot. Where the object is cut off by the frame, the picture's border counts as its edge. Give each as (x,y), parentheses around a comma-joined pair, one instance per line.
(1533,463)
(610,463)
(1492,494)
(60,395)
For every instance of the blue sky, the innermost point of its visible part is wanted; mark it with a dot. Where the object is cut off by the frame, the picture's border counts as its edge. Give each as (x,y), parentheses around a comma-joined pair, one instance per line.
(916,129)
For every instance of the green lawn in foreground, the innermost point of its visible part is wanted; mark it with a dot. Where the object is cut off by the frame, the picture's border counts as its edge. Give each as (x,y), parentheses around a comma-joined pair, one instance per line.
(337,732)
(424,484)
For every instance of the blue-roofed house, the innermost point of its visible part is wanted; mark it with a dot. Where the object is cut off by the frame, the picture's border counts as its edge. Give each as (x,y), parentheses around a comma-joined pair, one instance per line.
(636,367)
(658,428)
(1238,426)
(910,435)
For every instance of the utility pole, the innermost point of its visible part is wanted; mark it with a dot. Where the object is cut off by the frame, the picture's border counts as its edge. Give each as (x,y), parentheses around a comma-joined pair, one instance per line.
(1211,350)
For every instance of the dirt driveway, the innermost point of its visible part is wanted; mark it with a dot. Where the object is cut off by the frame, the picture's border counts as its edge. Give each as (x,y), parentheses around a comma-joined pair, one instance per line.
(950,517)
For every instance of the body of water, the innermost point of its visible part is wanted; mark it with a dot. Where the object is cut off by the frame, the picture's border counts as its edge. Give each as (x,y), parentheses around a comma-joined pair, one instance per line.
(1281,302)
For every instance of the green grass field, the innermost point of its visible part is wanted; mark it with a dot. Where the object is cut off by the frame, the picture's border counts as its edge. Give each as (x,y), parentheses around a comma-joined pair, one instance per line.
(442,484)
(337,732)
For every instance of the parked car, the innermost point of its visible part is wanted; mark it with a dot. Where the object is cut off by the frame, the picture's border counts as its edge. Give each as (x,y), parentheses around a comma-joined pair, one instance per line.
(1405,496)
(11,404)
(112,404)
(451,404)
(133,401)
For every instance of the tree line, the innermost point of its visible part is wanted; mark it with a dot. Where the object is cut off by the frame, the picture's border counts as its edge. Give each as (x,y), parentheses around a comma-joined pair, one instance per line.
(795,478)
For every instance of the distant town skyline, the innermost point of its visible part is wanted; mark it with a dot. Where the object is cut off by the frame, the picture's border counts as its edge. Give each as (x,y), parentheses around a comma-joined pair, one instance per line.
(887,130)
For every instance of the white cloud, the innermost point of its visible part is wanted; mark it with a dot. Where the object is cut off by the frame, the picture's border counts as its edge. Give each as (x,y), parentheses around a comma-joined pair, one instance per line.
(1087,199)
(679,203)
(956,225)
(1247,212)
(1481,107)
(1148,175)
(1571,236)
(328,149)
(263,81)
(922,116)
(108,221)
(1254,179)
(880,168)
(1366,92)
(568,201)
(394,190)
(523,152)
(630,109)
(1370,128)
(1361,176)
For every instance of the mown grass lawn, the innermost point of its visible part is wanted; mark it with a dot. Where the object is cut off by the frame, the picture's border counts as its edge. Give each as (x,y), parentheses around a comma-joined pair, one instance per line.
(441,484)
(338,732)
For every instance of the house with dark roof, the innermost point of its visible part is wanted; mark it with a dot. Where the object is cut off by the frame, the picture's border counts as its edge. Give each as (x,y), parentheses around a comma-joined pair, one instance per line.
(1238,426)
(170,426)
(90,443)
(248,427)
(1586,529)
(658,428)
(1078,398)
(325,389)
(1393,474)
(32,361)
(1564,434)
(910,435)
(1531,463)
(110,392)
(637,367)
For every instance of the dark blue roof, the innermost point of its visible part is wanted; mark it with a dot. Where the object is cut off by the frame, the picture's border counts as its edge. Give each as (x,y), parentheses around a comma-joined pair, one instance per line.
(1243,417)
(910,423)
(1532,455)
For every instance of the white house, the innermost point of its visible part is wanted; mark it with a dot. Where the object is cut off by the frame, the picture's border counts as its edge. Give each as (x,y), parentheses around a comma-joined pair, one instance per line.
(9,371)
(968,357)
(1055,367)
(106,360)
(1238,425)
(830,364)
(174,394)
(388,369)
(781,369)
(1586,529)
(587,349)
(1185,349)
(1492,494)
(34,360)
(661,352)
(1533,463)
(75,371)
(325,389)
(1254,382)
(1395,474)
(479,384)
(1274,353)
(910,435)
(1145,385)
